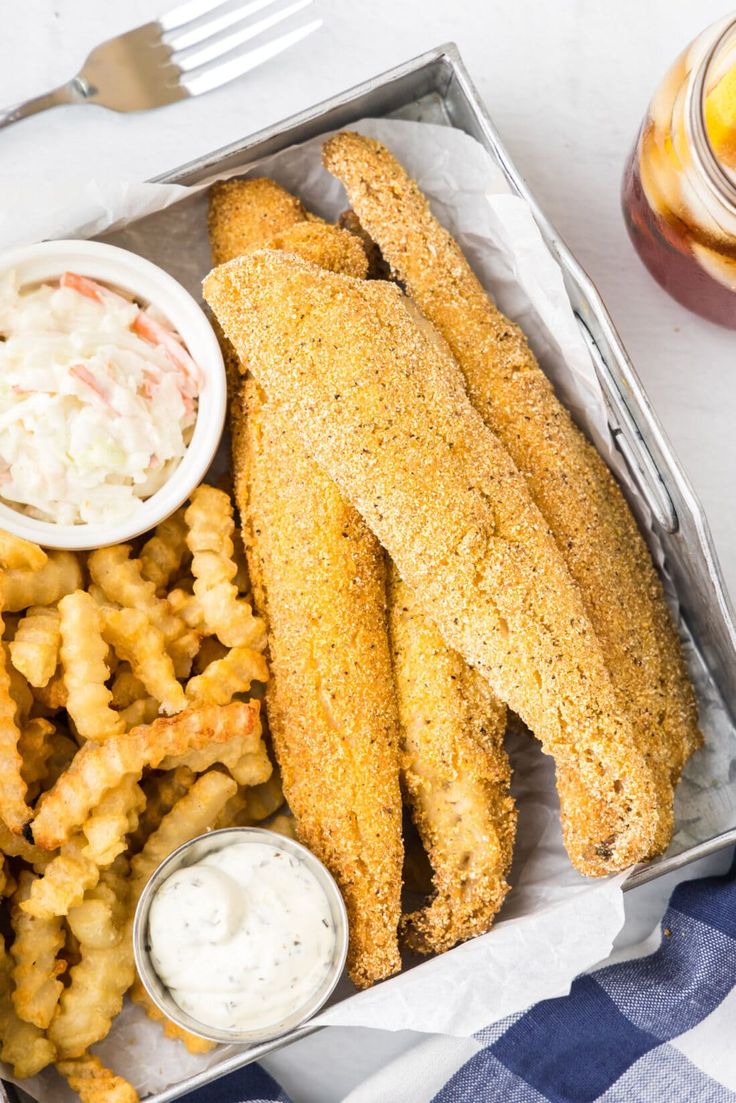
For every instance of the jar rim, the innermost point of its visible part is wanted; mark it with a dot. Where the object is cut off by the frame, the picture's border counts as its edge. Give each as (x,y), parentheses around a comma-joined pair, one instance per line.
(711,168)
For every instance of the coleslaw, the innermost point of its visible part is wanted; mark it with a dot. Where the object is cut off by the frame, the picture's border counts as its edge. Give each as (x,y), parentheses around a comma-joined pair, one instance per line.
(98,400)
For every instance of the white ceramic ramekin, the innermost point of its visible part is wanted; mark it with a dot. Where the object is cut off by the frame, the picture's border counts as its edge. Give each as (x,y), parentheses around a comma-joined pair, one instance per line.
(149,285)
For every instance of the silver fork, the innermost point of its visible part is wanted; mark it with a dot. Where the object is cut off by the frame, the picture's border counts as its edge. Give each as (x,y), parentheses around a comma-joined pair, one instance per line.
(198,46)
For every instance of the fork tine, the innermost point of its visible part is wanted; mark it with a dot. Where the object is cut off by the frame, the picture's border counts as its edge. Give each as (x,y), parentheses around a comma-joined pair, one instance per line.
(188,36)
(211,51)
(216,75)
(187,13)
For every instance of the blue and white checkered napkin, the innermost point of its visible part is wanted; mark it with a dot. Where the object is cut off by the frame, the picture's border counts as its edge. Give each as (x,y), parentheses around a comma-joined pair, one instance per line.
(658,1029)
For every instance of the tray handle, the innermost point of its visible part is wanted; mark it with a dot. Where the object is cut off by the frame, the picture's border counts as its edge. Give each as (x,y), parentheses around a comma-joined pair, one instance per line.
(630,442)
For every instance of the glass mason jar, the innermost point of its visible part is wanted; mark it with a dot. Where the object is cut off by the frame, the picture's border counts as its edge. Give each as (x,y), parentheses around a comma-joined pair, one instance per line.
(679,188)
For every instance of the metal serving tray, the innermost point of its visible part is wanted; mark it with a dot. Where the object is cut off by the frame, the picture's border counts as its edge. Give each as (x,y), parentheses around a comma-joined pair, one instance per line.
(435,87)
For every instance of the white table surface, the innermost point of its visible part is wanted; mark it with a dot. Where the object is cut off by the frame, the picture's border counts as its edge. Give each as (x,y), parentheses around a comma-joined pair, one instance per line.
(567,83)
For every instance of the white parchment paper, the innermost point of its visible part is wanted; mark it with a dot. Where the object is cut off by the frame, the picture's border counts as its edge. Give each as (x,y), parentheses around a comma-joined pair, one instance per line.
(554,924)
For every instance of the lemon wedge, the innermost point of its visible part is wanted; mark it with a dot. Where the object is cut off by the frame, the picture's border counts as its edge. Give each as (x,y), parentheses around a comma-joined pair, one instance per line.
(720,118)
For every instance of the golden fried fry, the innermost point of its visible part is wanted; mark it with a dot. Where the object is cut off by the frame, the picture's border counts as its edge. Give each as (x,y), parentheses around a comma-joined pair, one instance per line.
(162,791)
(35,749)
(192,815)
(209,652)
(15,846)
(19,554)
(235,812)
(53,696)
(162,555)
(60,575)
(188,607)
(143,711)
(266,798)
(20,691)
(244,755)
(93,1083)
(229,617)
(97,767)
(104,973)
(24,1046)
(62,750)
(193,1042)
(283,823)
(34,649)
(126,687)
(227,677)
(35,952)
(115,816)
(83,653)
(138,642)
(13,808)
(76,868)
(122,582)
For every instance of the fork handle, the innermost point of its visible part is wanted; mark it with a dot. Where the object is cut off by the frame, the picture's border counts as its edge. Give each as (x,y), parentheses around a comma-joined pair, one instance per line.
(74,91)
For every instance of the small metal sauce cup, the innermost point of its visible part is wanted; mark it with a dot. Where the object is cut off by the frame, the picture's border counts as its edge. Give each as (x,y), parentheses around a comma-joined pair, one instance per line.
(193,851)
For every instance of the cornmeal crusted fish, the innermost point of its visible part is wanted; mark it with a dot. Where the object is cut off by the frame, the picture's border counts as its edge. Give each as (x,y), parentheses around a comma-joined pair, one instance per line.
(379,402)
(456,774)
(454,768)
(318,577)
(567,479)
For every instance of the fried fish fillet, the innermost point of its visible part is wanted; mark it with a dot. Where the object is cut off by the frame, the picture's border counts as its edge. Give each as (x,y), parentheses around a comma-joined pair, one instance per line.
(456,774)
(318,577)
(379,402)
(457,786)
(569,482)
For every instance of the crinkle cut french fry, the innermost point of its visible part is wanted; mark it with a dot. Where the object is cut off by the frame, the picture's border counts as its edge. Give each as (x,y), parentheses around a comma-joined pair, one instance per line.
(94,1083)
(83,653)
(283,823)
(193,1042)
(34,649)
(35,748)
(116,815)
(100,980)
(15,846)
(53,696)
(60,575)
(13,808)
(192,815)
(19,554)
(35,951)
(76,868)
(162,555)
(162,791)
(229,617)
(143,711)
(120,578)
(210,650)
(228,676)
(235,812)
(62,750)
(266,798)
(97,767)
(142,645)
(126,687)
(24,1046)
(188,607)
(20,691)
(244,755)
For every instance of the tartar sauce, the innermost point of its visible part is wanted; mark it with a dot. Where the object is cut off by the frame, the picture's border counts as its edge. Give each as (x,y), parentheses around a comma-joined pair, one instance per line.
(242,938)
(98,399)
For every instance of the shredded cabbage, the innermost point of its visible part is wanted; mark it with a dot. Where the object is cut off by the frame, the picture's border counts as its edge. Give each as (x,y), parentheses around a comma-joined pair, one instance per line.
(98,400)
